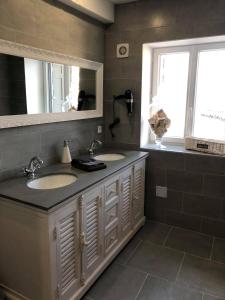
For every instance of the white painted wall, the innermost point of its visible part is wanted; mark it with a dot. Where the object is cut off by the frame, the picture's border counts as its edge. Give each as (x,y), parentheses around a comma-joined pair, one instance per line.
(102,10)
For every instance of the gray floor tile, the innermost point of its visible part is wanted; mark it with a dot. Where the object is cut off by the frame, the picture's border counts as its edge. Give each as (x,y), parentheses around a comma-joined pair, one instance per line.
(124,279)
(160,289)
(87,298)
(157,260)
(205,275)
(154,232)
(118,282)
(127,252)
(209,297)
(190,242)
(219,250)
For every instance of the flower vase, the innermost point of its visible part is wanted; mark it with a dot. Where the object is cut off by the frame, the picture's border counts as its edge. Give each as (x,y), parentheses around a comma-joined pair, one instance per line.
(159,123)
(158,141)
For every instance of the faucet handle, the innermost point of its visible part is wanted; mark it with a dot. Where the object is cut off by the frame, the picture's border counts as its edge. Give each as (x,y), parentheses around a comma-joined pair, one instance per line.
(38,162)
(35,164)
(28,172)
(25,170)
(98,142)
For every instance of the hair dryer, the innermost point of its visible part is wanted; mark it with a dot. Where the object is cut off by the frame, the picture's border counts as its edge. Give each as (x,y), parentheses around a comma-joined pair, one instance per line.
(129,99)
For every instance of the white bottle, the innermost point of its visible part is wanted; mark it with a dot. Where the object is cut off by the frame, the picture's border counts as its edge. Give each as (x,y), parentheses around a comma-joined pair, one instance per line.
(66,156)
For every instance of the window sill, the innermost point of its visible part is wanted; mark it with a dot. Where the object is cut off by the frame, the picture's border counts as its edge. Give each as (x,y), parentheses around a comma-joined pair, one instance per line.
(176,149)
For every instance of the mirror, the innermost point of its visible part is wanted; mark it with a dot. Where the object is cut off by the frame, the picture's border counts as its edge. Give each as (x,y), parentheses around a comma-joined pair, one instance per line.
(34,87)
(41,86)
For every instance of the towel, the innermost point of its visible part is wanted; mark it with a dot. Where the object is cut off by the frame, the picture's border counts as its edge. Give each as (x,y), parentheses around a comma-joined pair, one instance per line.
(87,164)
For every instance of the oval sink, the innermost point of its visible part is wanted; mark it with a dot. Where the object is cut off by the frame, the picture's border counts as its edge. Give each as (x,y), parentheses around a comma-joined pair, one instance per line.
(52,181)
(109,157)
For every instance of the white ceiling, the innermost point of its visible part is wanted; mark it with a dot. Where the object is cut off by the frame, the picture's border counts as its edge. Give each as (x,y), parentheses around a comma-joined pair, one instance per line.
(121,1)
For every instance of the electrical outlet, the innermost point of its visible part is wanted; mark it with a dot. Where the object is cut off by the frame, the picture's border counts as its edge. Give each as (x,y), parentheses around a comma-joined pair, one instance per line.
(99,129)
(161,191)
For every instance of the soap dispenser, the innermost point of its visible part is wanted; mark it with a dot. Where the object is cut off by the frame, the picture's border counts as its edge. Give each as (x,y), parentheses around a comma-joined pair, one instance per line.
(66,156)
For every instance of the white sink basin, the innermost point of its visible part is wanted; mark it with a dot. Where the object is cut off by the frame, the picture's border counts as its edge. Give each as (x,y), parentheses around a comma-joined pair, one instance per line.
(109,157)
(52,181)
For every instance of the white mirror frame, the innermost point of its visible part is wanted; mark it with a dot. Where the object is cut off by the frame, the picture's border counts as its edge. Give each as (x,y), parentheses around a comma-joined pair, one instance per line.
(21,50)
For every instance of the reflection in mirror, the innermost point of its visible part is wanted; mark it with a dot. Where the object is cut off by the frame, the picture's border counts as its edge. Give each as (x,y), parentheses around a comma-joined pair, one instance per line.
(29,86)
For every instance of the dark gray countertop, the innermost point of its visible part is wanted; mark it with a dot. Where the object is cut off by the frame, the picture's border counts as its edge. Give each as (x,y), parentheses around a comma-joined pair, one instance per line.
(17,190)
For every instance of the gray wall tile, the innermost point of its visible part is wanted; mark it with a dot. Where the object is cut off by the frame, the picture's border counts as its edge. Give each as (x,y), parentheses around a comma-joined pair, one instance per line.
(173,201)
(214,227)
(152,21)
(219,250)
(66,31)
(18,145)
(183,220)
(214,186)
(205,164)
(184,181)
(202,206)
(167,160)
(158,177)
(187,203)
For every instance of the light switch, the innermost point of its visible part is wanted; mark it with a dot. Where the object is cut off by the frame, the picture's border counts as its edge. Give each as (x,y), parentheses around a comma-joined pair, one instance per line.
(99,129)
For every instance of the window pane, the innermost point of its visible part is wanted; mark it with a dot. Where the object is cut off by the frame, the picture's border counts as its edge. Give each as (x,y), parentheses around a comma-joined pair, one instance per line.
(172,89)
(209,120)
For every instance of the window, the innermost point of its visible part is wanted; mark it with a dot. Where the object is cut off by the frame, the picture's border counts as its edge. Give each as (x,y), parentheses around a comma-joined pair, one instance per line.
(171,88)
(188,82)
(209,119)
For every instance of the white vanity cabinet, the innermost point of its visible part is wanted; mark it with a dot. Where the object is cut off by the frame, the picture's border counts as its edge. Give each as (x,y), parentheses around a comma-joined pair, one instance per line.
(91,231)
(77,241)
(138,191)
(66,250)
(126,200)
(111,214)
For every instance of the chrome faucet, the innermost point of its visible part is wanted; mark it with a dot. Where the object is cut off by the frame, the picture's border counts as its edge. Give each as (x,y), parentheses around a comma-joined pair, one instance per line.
(34,165)
(93,146)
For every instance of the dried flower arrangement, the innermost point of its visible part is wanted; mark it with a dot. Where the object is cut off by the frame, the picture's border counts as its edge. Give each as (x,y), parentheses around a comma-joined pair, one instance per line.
(159,123)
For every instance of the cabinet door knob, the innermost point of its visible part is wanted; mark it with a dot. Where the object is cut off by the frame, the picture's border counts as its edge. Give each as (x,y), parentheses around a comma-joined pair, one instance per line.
(83,241)
(111,193)
(112,238)
(112,215)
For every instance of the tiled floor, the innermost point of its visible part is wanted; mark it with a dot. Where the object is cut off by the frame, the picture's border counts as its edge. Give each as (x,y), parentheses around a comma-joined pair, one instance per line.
(165,263)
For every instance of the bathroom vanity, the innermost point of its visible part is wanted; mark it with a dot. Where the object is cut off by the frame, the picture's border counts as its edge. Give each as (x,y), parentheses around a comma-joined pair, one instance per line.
(55,243)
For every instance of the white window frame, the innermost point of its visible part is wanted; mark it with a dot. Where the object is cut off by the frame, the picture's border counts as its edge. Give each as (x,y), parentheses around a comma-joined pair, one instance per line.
(151,53)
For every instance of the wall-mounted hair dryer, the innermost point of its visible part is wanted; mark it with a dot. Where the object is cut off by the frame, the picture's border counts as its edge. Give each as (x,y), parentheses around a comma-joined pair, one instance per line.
(129,100)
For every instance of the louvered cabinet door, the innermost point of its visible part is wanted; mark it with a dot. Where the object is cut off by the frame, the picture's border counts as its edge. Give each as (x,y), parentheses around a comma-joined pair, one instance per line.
(111,214)
(92,231)
(68,251)
(126,202)
(138,191)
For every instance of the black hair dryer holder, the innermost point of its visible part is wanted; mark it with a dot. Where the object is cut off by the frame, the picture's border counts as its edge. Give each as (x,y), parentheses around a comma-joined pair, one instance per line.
(129,100)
